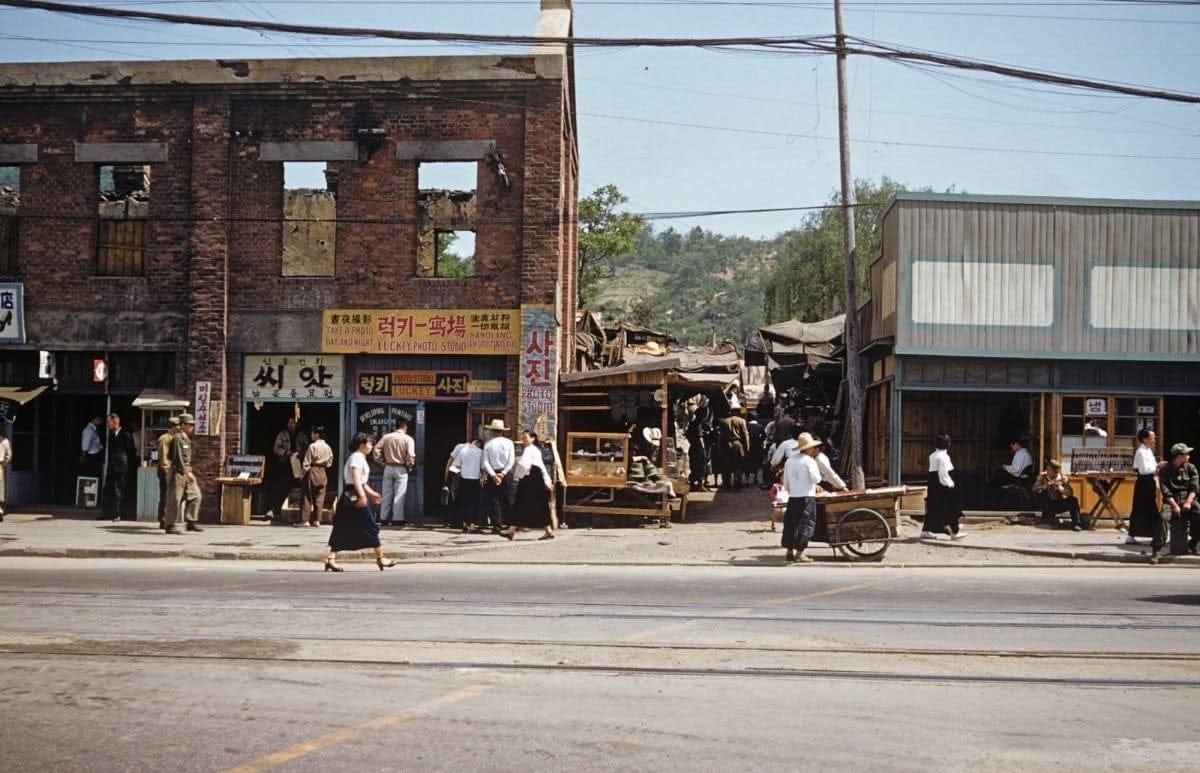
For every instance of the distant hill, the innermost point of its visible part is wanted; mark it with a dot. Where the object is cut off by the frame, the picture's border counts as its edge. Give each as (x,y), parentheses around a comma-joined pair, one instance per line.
(692,285)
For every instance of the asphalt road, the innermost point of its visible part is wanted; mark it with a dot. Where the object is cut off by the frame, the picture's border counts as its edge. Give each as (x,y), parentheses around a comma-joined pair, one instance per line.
(127,665)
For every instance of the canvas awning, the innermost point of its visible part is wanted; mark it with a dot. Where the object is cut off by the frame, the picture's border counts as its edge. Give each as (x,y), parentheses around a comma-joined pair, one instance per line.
(12,398)
(154,400)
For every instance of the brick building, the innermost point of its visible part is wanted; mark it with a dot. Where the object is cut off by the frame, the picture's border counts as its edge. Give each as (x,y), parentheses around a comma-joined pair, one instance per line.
(351,240)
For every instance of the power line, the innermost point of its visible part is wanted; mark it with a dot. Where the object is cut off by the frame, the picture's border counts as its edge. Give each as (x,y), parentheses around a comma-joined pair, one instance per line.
(804,44)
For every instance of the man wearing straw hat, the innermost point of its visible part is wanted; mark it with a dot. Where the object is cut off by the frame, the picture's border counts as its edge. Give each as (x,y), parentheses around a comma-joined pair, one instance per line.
(800,477)
(499,485)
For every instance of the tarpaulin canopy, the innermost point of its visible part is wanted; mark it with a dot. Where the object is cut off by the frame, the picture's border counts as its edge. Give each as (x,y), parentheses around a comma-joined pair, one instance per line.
(12,398)
(155,400)
(794,332)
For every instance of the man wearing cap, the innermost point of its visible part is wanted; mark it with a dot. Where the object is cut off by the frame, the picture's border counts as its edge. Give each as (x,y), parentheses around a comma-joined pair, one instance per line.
(800,477)
(397,452)
(499,485)
(184,491)
(1180,484)
(1054,490)
(164,467)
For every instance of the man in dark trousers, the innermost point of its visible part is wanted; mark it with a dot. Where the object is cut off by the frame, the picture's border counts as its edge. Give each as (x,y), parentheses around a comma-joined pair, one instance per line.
(122,457)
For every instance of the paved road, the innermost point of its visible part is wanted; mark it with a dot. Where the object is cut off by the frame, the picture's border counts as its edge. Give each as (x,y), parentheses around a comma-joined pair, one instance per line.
(112,665)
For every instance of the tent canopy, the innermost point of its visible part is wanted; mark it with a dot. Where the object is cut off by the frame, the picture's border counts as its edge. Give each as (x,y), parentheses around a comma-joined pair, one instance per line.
(796,333)
(151,399)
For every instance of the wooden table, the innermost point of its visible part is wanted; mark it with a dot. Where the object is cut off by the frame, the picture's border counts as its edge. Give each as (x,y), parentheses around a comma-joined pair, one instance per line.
(1105,486)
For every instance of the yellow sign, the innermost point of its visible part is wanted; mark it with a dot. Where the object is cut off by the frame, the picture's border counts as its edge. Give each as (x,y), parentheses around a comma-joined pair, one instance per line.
(421,331)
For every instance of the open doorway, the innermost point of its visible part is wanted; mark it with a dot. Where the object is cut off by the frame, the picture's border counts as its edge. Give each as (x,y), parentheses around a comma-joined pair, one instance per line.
(265,422)
(445,427)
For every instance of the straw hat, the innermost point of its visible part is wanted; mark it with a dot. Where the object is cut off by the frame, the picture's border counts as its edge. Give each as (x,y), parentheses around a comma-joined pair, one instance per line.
(806,441)
(497,425)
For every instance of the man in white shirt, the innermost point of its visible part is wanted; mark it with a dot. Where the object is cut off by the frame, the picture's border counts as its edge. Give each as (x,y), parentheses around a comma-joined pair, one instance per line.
(92,459)
(499,484)
(800,477)
(469,461)
(397,452)
(1021,460)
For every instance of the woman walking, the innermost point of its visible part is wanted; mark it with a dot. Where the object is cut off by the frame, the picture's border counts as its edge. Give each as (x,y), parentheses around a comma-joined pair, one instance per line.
(354,526)
(942,509)
(534,486)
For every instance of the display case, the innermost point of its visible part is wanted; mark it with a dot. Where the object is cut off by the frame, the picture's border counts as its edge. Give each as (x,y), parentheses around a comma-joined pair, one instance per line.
(597,458)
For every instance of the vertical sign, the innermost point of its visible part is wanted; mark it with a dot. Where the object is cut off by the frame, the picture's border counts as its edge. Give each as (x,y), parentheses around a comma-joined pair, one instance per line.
(539,371)
(12,313)
(203,407)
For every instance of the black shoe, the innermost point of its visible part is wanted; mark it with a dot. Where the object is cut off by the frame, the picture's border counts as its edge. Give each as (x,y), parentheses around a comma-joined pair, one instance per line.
(465,528)
(791,555)
(192,527)
(171,530)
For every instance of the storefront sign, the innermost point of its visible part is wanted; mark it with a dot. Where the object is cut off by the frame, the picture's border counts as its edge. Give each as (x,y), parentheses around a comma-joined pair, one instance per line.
(486,386)
(414,384)
(421,331)
(203,407)
(12,313)
(539,370)
(377,419)
(292,377)
(1095,406)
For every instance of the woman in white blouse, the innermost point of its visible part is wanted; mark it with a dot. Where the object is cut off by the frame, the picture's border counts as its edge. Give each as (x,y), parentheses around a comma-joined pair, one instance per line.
(942,509)
(354,526)
(534,487)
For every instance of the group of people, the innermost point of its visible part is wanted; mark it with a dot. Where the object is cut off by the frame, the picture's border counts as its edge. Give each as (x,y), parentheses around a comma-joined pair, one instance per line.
(117,444)
(491,487)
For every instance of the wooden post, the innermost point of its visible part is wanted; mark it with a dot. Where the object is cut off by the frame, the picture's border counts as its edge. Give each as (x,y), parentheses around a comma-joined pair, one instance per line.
(854,420)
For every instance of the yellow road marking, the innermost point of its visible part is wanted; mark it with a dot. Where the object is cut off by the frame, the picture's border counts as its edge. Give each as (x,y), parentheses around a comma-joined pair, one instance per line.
(350,733)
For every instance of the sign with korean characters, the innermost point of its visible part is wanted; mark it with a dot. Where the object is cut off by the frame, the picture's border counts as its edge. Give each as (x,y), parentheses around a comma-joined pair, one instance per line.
(293,377)
(413,384)
(1095,406)
(12,313)
(539,370)
(203,407)
(421,331)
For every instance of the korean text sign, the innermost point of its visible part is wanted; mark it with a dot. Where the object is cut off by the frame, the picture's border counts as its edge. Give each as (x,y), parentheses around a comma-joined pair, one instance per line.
(421,331)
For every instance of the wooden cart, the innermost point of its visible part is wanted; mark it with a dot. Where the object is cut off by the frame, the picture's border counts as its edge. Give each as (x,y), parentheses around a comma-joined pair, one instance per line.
(860,524)
(596,481)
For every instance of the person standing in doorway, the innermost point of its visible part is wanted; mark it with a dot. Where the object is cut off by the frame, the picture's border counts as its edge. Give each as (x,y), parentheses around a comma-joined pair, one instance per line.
(5,461)
(317,461)
(164,467)
(184,493)
(1144,516)
(499,485)
(398,454)
(942,510)
(122,455)
(284,474)
(800,477)
(91,461)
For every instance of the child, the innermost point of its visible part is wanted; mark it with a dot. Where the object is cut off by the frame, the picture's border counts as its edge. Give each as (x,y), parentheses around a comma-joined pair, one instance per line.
(779,502)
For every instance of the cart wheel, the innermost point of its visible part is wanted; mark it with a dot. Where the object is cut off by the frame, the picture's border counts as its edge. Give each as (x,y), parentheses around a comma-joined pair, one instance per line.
(862,534)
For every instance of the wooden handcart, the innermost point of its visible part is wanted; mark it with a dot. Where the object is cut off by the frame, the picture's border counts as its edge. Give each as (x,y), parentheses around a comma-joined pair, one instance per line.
(861,524)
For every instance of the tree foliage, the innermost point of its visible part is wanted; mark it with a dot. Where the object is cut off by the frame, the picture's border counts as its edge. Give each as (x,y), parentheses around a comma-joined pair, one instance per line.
(809,281)
(605,233)
(449,262)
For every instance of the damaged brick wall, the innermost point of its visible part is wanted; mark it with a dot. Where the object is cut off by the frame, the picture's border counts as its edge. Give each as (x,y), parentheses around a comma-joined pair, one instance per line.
(309,232)
(441,211)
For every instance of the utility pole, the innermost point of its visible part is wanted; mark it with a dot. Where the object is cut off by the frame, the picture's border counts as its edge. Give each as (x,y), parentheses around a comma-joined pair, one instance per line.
(852,444)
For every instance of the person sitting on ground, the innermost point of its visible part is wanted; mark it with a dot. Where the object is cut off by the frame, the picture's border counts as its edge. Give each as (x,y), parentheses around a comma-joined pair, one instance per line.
(1054,491)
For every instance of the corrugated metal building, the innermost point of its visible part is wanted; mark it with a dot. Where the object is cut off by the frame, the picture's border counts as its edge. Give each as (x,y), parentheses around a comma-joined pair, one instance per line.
(1069,321)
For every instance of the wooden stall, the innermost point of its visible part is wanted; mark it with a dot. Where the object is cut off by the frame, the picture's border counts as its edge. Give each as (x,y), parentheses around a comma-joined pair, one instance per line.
(1103,481)
(242,473)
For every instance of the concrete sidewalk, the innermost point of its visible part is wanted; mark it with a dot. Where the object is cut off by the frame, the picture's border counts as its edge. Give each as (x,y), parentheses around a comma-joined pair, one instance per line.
(729,529)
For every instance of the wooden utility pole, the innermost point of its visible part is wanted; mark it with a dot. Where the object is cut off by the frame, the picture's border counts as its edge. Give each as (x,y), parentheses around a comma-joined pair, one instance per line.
(852,443)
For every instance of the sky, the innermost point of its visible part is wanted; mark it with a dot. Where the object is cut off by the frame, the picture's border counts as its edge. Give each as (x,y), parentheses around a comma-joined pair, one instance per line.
(696,130)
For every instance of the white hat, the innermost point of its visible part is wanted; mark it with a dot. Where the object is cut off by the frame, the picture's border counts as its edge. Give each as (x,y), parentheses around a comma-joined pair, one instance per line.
(653,435)
(497,425)
(806,441)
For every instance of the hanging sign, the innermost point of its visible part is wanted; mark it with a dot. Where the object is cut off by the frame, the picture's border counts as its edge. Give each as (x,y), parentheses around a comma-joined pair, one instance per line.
(414,384)
(12,313)
(539,370)
(292,377)
(1095,406)
(420,331)
(203,407)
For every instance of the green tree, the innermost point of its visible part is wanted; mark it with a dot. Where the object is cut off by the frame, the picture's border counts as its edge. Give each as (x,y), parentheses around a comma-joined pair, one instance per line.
(808,282)
(605,234)
(449,262)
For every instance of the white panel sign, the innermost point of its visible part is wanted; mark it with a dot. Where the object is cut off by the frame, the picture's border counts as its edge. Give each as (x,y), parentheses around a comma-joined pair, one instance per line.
(203,407)
(991,294)
(293,377)
(12,313)
(1133,298)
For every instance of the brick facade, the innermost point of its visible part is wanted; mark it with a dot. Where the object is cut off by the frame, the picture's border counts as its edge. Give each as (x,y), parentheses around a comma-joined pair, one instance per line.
(213,257)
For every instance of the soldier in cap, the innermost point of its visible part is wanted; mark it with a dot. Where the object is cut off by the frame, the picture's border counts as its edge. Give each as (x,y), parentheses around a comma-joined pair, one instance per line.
(183,492)
(164,467)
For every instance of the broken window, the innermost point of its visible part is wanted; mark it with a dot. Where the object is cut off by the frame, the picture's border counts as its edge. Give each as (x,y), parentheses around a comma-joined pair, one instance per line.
(309,218)
(10,204)
(124,211)
(446,205)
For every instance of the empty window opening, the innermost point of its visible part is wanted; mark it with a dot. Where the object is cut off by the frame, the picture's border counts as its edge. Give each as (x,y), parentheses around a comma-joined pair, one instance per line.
(10,203)
(446,204)
(448,175)
(455,254)
(309,218)
(124,216)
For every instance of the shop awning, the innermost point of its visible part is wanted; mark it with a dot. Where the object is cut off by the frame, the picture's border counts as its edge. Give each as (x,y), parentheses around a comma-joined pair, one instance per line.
(153,400)
(714,381)
(12,398)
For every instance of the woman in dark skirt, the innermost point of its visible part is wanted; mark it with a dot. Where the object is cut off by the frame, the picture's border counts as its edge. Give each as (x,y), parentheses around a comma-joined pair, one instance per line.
(534,486)
(942,509)
(354,526)
(1144,516)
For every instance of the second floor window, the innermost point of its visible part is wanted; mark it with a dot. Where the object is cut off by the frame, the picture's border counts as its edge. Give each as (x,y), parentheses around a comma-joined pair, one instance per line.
(124,216)
(446,204)
(309,218)
(10,205)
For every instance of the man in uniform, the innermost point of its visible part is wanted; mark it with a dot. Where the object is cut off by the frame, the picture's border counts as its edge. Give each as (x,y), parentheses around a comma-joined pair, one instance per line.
(184,491)
(164,468)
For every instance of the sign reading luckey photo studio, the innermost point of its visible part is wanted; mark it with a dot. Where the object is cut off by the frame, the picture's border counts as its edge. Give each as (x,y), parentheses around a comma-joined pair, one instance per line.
(421,331)
(293,377)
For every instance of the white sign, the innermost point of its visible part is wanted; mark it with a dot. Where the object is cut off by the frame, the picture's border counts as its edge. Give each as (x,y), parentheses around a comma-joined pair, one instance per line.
(12,313)
(203,406)
(1095,406)
(293,377)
